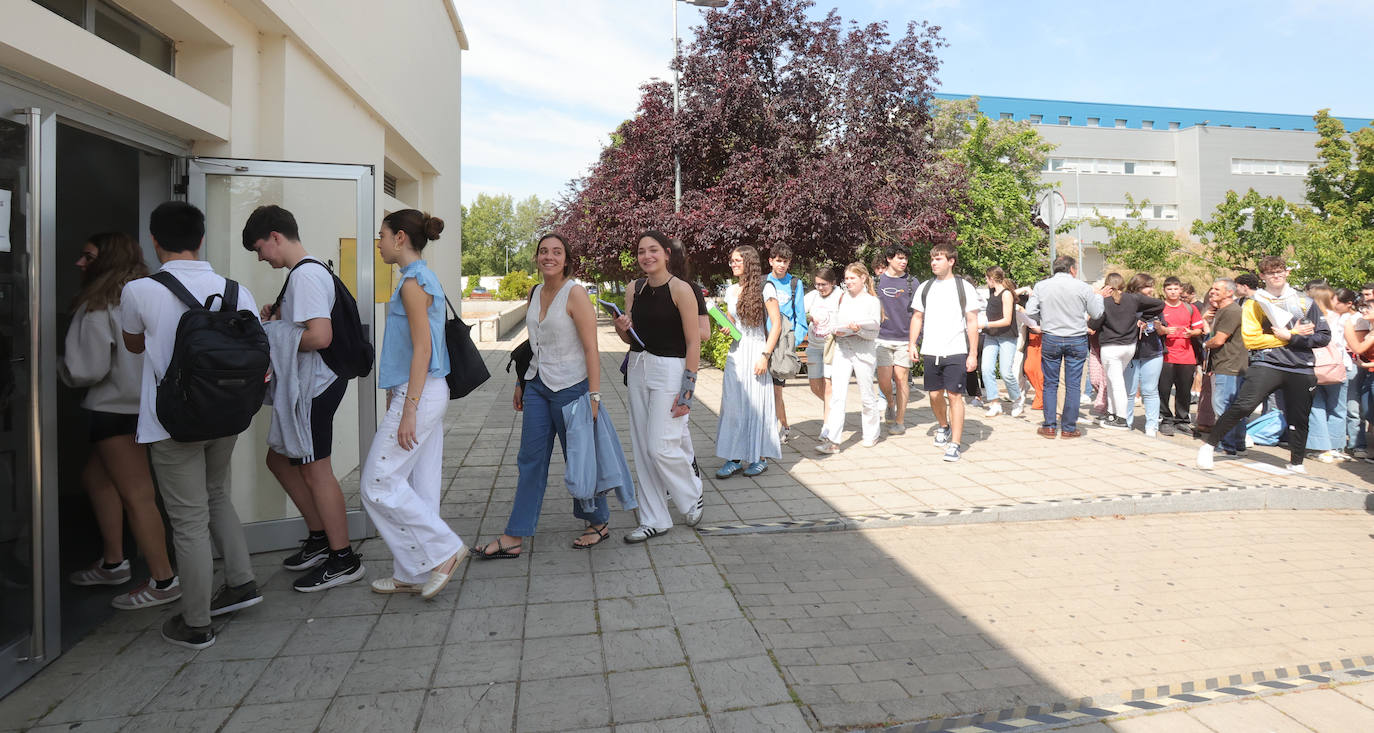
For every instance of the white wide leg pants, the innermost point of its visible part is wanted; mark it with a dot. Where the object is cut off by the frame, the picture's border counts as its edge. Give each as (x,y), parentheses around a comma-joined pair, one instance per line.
(661,464)
(862,364)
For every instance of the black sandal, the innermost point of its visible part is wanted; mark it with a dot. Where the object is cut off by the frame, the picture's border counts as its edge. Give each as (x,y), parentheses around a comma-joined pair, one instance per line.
(591,529)
(503,552)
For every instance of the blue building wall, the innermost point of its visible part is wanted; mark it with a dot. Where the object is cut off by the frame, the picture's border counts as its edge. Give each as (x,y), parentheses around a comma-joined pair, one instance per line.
(1078,113)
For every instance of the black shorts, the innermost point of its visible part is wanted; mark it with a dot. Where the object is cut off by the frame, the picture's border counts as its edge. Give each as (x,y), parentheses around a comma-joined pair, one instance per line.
(777,382)
(112,425)
(945,373)
(322,411)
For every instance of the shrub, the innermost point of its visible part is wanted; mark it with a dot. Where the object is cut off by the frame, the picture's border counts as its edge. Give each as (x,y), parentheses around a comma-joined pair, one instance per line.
(515,286)
(713,352)
(472,284)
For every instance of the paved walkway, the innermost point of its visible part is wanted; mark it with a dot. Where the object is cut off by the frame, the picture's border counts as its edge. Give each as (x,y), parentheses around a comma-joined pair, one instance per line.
(937,606)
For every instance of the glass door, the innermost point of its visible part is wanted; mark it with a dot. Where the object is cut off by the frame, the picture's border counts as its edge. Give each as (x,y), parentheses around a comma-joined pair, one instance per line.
(28,638)
(333,206)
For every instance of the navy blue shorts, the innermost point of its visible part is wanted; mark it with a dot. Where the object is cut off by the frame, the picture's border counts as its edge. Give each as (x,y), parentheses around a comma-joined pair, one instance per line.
(322,411)
(945,373)
(105,425)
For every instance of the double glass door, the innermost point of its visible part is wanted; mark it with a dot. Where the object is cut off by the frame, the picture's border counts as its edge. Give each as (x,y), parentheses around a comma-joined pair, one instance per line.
(27,572)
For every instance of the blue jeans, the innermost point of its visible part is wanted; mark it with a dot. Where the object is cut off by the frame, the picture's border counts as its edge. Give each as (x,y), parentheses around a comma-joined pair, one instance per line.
(1326,421)
(1143,375)
(998,354)
(1072,351)
(1357,407)
(543,421)
(1225,387)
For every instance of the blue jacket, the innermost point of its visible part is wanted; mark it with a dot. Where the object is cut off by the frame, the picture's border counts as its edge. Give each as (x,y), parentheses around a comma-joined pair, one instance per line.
(795,310)
(595,461)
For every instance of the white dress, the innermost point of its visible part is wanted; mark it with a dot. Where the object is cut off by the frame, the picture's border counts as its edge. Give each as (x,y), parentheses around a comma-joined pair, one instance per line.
(747,431)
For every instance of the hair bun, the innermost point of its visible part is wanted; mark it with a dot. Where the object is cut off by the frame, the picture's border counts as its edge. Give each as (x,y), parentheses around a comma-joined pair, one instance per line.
(433,226)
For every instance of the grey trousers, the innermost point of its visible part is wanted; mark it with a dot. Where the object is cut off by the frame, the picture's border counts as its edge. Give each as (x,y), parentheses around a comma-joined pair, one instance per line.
(194,481)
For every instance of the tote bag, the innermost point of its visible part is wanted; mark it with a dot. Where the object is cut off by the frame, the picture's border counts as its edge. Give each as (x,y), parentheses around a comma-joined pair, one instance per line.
(466,371)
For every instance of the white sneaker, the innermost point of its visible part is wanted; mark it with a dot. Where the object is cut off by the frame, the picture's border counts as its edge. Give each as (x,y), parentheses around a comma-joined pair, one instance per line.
(827,447)
(785,434)
(1151,432)
(1327,457)
(1296,469)
(1204,457)
(994,410)
(868,443)
(1017,409)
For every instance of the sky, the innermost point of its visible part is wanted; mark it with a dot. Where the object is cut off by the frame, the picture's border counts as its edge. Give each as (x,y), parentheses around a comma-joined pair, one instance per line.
(546,81)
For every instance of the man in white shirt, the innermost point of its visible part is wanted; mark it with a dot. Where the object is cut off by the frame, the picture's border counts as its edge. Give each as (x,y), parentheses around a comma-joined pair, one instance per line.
(945,308)
(193,478)
(307,300)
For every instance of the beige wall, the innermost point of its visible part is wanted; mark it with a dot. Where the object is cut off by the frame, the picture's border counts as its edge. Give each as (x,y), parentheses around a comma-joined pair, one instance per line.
(338,81)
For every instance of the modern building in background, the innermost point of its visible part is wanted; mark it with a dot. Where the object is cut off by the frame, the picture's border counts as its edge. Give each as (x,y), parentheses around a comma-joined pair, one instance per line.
(1182,160)
(110,107)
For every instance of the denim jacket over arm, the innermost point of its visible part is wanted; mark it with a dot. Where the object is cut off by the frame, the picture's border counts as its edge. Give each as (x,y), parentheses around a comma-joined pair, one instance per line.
(596,462)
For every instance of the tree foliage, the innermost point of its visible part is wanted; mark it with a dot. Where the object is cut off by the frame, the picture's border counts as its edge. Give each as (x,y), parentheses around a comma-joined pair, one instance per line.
(1135,245)
(808,132)
(498,230)
(1001,161)
(1244,229)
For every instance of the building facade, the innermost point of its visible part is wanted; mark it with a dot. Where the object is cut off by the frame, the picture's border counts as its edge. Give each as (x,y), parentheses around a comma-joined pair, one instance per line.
(1183,161)
(110,107)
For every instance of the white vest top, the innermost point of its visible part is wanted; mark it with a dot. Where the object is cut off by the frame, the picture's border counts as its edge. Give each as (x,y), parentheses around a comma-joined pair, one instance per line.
(558,358)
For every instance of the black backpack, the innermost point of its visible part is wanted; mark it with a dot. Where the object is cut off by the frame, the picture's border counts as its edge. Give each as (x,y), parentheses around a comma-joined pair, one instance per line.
(217,378)
(349,354)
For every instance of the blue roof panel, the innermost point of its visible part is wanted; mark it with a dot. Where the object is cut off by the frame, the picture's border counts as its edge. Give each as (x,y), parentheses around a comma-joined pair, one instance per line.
(1050,110)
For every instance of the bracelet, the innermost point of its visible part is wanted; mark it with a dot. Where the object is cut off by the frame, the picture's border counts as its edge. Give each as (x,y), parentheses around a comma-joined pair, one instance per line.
(415,400)
(768,354)
(594,395)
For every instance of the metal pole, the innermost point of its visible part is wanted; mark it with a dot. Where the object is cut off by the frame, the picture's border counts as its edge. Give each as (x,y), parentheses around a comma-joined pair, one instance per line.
(1078,220)
(677,162)
(1049,204)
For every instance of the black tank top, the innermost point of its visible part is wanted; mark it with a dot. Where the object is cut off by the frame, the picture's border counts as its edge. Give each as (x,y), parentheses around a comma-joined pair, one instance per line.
(995,313)
(657,321)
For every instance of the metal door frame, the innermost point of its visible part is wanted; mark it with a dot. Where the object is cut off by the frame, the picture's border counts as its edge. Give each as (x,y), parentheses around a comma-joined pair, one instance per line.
(287,532)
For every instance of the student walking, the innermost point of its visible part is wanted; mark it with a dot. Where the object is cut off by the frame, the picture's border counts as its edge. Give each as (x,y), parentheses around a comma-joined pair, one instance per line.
(193,477)
(300,327)
(853,324)
(1062,306)
(821,306)
(1143,376)
(662,313)
(744,435)
(1118,330)
(1228,358)
(895,288)
(945,309)
(1280,328)
(1000,341)
(402,477)
(566,364)
(1182,323)
(116,477)
(791,304)
(1326,424)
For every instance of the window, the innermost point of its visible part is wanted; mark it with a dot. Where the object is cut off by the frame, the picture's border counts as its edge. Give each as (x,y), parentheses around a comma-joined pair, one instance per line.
(1120,123)
(1093,121)
(1250,167)
(1063,119)
(107,21)
(1173,125)
(1036,119)
(1128,167)
(1112,166)
(1147,124)
(1005,116)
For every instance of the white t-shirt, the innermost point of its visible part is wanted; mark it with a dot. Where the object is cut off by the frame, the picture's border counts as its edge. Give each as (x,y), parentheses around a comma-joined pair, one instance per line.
(149,308)
(310,294)
(944,330)
(822,310)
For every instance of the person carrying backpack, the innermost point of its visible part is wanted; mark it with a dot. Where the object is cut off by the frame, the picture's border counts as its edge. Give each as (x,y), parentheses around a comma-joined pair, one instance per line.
(203,368)
(792,307)
(303,327)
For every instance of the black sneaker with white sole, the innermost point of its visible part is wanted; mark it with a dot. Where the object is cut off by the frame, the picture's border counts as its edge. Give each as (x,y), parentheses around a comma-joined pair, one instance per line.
(313,552)
(236,598)
(330,573)
(175,631)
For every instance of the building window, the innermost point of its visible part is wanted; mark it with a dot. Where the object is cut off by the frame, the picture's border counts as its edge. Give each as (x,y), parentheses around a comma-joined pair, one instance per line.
(1173,125)
(110,23)
(1093,121)
(1063,119)
(1120,123)
(1112,166)
(1119,210)
(1005,115)
(1129,167)
(1036,119)
(1251,167)
(1147,124)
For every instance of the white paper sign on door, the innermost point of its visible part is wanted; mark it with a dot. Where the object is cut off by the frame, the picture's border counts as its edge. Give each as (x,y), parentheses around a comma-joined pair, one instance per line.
(5,201)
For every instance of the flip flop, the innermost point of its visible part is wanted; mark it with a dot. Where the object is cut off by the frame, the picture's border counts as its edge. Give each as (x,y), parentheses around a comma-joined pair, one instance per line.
(602,534)
(503,552)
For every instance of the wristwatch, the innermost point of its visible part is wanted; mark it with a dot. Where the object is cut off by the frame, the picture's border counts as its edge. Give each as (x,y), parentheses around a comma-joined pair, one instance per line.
(594,395)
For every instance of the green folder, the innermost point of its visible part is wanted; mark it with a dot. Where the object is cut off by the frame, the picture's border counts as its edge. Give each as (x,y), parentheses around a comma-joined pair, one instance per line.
(724,322)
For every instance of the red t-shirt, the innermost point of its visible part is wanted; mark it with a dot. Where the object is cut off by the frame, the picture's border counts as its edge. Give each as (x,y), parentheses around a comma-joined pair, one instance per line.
(1178,349)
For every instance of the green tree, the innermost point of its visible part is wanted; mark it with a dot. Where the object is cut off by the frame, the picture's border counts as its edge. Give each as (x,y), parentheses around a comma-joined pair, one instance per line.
(1002,160)
(1135,245)
(499,233)
(1244,229)
(527,223)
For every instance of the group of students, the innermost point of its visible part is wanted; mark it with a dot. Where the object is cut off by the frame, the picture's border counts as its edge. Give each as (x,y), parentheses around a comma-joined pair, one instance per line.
(127,330)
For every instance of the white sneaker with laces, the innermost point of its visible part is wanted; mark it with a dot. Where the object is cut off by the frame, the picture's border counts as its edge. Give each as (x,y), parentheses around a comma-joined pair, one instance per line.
(1017,409)
(1204,457)
(994,410)
(827,447)
(1299,468)
(148,595)
(868,443)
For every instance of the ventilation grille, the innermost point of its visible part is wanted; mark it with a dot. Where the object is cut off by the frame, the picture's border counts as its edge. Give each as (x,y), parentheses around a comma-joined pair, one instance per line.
(389,185)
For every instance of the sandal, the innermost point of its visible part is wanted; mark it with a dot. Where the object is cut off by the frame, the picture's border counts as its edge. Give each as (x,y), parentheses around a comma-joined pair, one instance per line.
(503,552)
(591,530)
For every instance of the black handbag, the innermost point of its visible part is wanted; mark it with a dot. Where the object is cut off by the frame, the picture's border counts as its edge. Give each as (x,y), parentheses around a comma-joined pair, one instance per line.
(467,371)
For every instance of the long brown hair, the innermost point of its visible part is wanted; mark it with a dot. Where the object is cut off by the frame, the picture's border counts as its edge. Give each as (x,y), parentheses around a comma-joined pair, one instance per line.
(750,303)
(1140,281)
(118,260)
(1115,281)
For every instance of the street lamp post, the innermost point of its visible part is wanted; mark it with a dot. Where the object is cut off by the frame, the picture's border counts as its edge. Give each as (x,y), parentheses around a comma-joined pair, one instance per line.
(1078,215)
(677,161)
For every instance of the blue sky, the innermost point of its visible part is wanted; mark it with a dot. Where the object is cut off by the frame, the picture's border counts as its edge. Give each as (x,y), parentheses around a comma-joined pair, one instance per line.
(545,81)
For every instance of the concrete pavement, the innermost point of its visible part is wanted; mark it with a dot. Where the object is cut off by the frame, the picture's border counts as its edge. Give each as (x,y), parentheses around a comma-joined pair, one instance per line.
(940,603)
